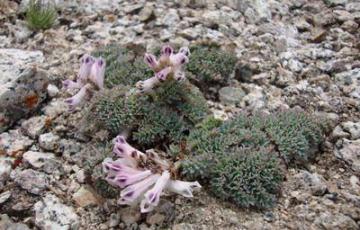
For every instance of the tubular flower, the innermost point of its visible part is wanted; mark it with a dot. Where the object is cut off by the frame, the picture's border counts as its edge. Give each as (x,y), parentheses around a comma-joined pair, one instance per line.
(142,176)
(169,66)
(91,76)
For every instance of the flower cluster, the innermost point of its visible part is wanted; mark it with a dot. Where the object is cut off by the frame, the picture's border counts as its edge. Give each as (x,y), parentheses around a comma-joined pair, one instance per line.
(169,66)
(91,76)
(142,176)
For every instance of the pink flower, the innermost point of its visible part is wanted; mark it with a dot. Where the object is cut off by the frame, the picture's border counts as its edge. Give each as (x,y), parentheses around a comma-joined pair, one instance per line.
(169,66)
(92,72)
(144,176)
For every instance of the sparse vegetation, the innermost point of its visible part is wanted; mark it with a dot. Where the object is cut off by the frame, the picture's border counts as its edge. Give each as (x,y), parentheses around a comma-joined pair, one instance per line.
(40,15)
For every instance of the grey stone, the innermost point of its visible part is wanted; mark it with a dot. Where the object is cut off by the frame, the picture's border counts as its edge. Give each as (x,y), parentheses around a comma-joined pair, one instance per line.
(215,18)
(146,13)
(32,181)
(38,159)
(85,196)
(132,8)
(5,196)
(353,6)
(353,128)
(260,10)
(114,220)
(55,108)
(22,85)
(338,132)
(313,182)
(335,2)
(49,141)
(5,169)
(255,99)
(50,213)
(7,224)
(155,219)
(52,90)
(328,221)
(14,143)
(34,126)
(171,18)
(130,215)
(349,151)
(20,31)
(231,95)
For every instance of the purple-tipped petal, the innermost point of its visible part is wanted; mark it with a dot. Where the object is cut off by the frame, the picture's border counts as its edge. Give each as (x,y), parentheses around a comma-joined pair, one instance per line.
(134,192)
(78,98)
(179,59)
(123,149)
(69,84)
(166,51)
(97,73)
(151,61)
(185,50)
(152,197)
(163,74)
(147,85)
(179,75)
(125,179)
(85,68)
(183,188)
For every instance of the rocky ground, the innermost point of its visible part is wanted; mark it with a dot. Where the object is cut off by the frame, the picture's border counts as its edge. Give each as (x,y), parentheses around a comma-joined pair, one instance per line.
(292,53)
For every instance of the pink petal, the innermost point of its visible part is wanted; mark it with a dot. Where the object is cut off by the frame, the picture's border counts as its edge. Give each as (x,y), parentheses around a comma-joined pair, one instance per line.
(133,192)
(152,197)
(125,179)
(179,59)
(166,51)
(147,85)
(78,98)
(97,73)
(126,150)
(163,74)
(69,84)
(179,75)
(85,68)
(183,188)
(150,60)
(185,50)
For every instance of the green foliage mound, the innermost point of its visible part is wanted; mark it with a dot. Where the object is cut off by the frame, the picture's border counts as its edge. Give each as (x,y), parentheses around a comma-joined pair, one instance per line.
(210,66)
(40,15)
(243,158)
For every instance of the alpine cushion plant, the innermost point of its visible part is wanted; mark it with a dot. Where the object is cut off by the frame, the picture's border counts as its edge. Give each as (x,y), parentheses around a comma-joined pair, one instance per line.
(90,77)
(243,159)
(160,109)
(143,176)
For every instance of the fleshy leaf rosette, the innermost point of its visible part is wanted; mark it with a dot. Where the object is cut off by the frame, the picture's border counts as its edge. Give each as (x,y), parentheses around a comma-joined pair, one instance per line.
(91,76)
(143,177)
(170,65)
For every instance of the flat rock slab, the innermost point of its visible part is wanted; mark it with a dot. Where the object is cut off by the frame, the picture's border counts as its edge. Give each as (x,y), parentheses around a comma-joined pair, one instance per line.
(22,84)
(51,213)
